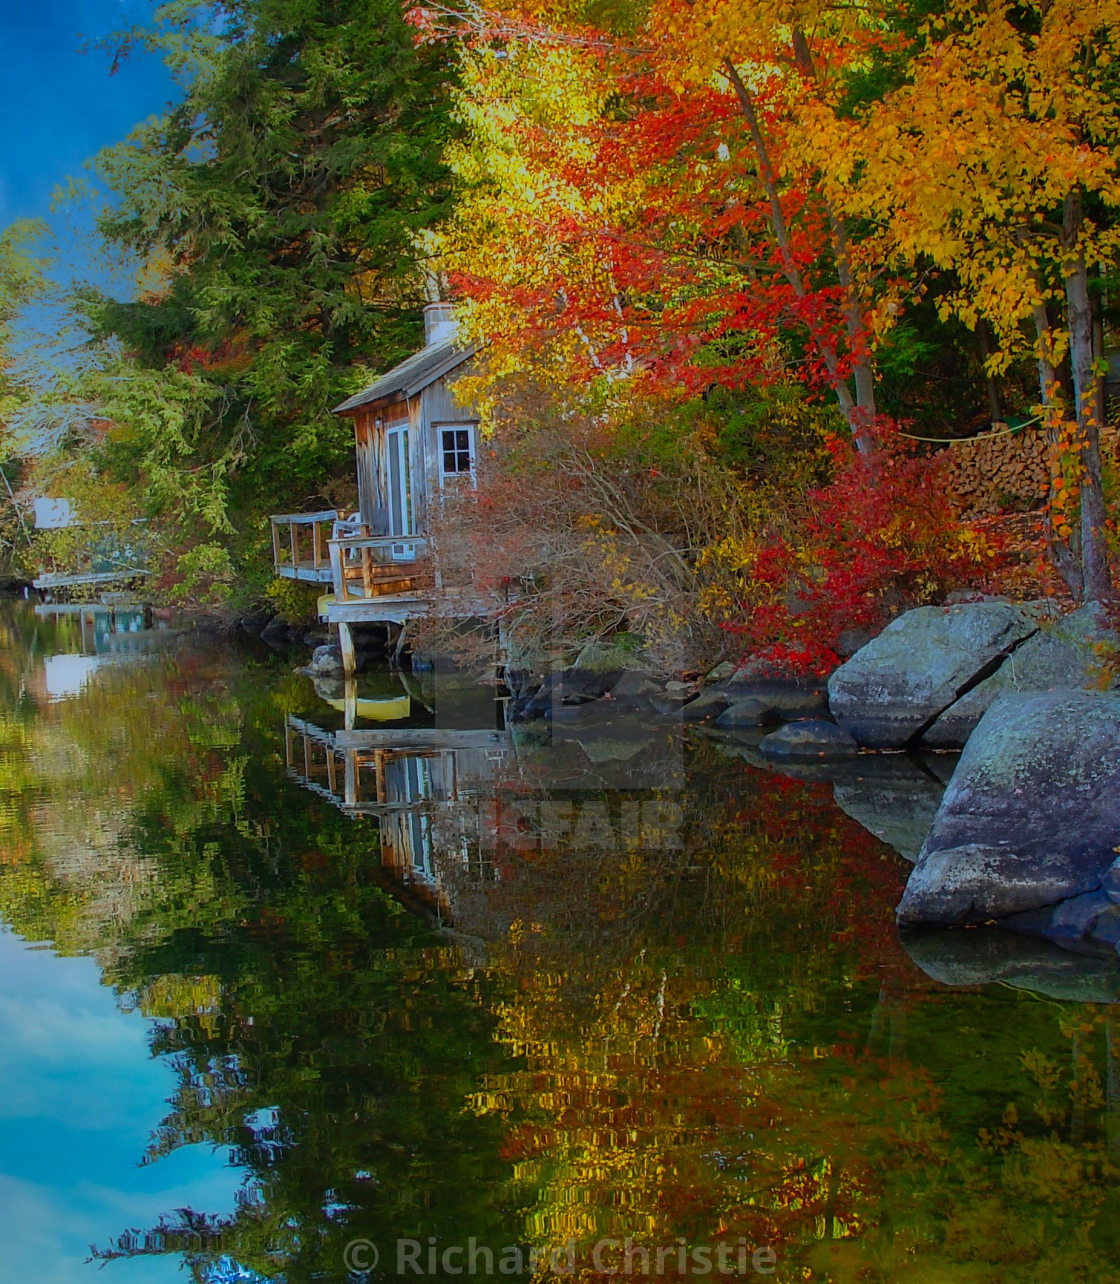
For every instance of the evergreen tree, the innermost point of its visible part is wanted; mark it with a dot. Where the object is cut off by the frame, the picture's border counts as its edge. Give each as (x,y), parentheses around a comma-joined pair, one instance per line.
(279,204)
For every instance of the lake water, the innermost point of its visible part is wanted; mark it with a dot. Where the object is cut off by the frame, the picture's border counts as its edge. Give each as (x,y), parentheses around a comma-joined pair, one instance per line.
(324,985)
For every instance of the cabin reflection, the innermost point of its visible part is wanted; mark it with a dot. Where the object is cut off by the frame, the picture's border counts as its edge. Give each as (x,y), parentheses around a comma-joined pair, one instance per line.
(462,811)
(100,630)
(426,788)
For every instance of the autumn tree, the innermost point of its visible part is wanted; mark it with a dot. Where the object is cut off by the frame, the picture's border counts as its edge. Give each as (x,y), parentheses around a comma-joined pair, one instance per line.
(641,202)
(997,161)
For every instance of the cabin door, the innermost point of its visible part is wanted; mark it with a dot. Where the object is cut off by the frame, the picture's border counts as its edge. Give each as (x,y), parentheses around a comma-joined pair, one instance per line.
(400,482)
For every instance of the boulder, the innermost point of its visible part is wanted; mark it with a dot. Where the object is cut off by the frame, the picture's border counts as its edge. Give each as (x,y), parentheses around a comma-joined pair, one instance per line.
(987,955)
(612,655)
(584,684)
(889,692)
(849,641)
(634,688)
(811,740)
(747,713)
(724,670)
(708,704)
(1088,923)
(524,670)
(325,660)
(1031,816)
(667,703)
(1067,653)
(786,697)
(577,686)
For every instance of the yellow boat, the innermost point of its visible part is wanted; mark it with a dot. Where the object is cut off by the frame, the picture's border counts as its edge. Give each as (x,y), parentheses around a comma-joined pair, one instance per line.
(383,709)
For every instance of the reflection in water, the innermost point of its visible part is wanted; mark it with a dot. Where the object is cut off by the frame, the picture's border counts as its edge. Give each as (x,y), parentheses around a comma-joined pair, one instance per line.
(604,990)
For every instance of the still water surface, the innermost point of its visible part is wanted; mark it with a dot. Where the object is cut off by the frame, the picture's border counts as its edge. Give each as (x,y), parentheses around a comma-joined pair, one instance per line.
(284,980)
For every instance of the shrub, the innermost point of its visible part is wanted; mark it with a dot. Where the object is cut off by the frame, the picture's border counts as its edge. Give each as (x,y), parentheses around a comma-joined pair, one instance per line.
(878,537)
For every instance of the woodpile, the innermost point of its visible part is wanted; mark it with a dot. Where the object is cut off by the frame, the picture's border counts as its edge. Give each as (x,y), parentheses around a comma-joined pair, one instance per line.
(1002,471)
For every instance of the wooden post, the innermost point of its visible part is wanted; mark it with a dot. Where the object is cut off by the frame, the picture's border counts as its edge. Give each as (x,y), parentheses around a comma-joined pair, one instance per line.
(350,796)
(349,700)
(346,646)
(399,646)
(295,558)
(315,557)
(381,793)
(276,545)
(338,575)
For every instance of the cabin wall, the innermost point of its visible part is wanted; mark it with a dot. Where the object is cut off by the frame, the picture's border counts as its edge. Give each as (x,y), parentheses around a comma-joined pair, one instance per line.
(369,446)
(438,408)
(433,407)
(419,461)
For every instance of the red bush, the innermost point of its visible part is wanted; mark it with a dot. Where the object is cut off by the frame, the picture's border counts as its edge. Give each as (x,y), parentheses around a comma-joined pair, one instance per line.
(881,536)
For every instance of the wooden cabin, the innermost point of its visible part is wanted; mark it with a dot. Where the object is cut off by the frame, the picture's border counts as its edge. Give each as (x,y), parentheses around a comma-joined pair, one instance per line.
(412,441)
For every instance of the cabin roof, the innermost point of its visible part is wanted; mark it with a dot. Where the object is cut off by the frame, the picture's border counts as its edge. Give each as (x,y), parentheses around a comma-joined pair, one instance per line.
(413,375)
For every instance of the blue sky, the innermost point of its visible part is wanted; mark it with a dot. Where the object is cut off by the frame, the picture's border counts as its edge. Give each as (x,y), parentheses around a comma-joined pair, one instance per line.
(59,106)
(80,1095)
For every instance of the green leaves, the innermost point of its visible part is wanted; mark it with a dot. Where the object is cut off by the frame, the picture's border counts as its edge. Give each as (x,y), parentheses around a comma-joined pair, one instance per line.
(277,206)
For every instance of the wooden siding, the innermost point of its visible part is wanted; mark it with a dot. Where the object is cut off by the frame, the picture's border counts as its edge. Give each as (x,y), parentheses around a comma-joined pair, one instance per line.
(440,407)
(435,404)
(367,452)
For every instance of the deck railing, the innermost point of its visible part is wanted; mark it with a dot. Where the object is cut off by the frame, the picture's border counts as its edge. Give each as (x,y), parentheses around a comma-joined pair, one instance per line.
(300,543)
(365,566)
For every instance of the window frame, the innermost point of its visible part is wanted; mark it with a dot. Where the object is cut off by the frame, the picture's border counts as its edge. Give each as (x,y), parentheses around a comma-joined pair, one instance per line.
(469,426)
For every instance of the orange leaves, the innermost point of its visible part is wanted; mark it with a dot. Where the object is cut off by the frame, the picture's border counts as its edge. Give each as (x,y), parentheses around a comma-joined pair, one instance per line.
(1067,471)
(967,162)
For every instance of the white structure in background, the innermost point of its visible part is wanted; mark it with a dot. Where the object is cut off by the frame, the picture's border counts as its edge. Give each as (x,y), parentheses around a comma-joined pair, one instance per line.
(52,514)
(68,675)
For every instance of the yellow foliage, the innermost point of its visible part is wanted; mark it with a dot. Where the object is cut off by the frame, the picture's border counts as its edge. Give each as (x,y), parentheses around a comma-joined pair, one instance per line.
(966,163)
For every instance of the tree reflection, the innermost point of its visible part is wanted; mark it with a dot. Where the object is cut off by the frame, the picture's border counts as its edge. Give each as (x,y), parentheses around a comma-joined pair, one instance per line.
(713,1040)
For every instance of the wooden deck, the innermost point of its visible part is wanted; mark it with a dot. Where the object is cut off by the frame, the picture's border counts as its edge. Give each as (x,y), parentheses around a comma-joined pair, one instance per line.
(374,579)
(383,609)
(51,580)
(299,545)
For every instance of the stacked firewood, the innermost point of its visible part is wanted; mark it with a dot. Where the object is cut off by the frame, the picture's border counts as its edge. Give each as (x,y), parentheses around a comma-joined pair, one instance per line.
(1001,472)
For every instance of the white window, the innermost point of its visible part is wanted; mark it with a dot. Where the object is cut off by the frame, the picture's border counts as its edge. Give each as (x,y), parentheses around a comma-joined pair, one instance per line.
(456,452)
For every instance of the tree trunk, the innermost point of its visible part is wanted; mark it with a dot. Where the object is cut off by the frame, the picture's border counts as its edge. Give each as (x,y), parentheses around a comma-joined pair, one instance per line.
(862,371)
(1096,580)
(853,321)
(1064,553)
(1100,403)
(995,406)
(855,415)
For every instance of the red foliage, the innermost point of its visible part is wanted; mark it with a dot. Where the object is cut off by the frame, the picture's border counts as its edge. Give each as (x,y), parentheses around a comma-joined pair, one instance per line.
(881,536)
(692,284)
